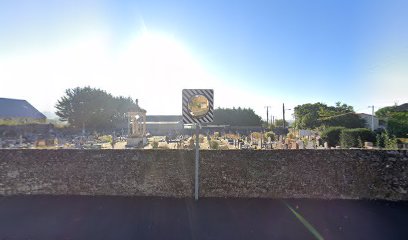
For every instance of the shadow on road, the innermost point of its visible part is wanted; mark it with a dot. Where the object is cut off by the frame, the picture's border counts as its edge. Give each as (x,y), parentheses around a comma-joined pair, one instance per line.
(101,217)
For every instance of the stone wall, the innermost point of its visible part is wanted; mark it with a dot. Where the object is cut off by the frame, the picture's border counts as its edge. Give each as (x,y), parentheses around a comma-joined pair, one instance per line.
(326,174)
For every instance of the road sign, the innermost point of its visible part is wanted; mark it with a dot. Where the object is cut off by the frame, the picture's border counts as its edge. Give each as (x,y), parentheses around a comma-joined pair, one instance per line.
(198,106)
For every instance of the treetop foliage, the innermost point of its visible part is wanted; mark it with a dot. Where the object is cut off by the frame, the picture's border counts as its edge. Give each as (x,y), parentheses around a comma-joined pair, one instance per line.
(314,115)
(93,108)
(236,117)
(396,118)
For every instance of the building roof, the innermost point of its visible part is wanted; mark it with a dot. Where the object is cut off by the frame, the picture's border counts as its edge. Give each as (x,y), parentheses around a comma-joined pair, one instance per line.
(16,108)
(162,123)
(402,107)
(365,115)
(163,118)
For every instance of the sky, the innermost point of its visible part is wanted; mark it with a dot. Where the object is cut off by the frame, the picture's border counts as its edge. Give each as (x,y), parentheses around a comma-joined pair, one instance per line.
(252,53)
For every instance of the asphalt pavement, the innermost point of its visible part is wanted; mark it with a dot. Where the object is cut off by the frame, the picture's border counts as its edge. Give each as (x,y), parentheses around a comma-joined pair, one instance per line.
(109,217)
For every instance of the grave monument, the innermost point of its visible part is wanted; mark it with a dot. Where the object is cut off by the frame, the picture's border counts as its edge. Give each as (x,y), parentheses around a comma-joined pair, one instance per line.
(137,126)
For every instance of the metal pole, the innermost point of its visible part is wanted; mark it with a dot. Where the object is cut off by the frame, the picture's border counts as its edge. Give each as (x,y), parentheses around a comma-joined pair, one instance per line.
(283,110)
(372,118)
(267,117)
(197,157)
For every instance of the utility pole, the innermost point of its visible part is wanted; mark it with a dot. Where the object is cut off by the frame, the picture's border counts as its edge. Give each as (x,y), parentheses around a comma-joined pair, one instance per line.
(283,109)
(267,116)
(372,117)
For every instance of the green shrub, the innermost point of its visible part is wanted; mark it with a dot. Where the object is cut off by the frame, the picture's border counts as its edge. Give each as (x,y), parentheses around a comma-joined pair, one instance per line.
(392,143)
(385,141)
(214,144)
(155,144)
(271,135)
(355,137)
(379,140)
(105,138)
(331,135)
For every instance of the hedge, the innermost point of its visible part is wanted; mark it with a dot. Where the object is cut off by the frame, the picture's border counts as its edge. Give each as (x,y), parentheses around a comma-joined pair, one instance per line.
(331,135)
(356,137)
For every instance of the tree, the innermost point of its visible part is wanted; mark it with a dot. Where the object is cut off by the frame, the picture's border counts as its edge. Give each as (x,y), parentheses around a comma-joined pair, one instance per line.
(307,115)
(341,115)
(236,117)
(92,108)
(396,118)
(398,124)
(279,123)
(311,116)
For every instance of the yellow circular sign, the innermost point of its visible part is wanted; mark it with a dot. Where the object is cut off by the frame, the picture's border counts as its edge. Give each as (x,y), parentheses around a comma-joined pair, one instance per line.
(198,106)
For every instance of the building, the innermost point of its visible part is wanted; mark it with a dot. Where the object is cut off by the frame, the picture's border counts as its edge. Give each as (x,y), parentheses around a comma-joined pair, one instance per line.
(172,126)
(368,119)
(20,111)
(402,108)
(164,125)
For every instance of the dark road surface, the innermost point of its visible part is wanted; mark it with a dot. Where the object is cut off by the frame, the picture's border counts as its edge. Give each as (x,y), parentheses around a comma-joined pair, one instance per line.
(85,217)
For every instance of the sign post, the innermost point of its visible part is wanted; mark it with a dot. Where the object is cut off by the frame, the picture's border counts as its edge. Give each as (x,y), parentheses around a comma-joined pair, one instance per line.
(198,107)
(197,160)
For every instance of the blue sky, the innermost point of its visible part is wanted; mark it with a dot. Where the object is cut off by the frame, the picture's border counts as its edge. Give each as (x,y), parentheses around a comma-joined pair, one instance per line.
(253,53)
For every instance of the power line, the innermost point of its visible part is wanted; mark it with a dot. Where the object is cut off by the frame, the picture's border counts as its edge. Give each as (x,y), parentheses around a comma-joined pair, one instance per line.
(339,115)
(342,114)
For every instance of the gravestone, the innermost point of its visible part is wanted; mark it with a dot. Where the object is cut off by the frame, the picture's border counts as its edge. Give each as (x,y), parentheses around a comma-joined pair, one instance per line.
(368,145)
(300,144)
(310,145)
(295,145)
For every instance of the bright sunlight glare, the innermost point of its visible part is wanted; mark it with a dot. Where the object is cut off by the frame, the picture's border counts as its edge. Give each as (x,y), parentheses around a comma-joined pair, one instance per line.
(147,66)
(150,63)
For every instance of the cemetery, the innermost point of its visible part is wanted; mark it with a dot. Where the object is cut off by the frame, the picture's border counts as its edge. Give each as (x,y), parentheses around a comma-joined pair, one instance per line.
(219,129)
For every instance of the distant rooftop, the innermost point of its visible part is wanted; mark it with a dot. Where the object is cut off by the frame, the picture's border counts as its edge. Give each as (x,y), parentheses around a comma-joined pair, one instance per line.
(163,118)
(402,107)
(17,108)
(364,114)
